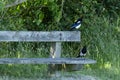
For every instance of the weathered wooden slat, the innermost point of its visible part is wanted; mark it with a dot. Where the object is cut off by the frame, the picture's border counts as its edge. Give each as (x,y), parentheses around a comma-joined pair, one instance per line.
(46,61)
(40,36)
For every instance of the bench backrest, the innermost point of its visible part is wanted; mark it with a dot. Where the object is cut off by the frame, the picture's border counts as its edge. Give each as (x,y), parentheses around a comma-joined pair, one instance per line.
(55,37)
(40,36)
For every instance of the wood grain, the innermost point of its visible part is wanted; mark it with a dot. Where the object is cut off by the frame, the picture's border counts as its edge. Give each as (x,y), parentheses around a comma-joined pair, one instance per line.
(40,36)
(46,61)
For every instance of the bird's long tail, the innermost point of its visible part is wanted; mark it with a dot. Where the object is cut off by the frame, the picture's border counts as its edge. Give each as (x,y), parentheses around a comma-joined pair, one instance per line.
(72,28)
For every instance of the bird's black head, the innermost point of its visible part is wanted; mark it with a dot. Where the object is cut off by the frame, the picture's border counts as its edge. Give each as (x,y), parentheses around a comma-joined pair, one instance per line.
(79,20)
(84,50)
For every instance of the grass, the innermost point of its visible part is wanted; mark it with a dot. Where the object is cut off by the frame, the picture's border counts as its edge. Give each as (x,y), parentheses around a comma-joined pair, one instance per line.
(103,74)
(105,48)
(103,41)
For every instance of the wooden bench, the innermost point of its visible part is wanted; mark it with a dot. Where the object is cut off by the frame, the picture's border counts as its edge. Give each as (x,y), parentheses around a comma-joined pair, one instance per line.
(55,37)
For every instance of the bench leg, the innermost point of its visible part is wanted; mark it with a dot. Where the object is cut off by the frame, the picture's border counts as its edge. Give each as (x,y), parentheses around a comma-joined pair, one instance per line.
(55,52)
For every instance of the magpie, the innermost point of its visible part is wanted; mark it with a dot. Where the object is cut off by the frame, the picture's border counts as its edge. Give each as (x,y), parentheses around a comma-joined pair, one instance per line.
(77,24)
(82,53)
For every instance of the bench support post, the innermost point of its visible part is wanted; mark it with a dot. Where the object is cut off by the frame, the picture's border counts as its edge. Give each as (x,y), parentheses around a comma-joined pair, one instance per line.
(55,50)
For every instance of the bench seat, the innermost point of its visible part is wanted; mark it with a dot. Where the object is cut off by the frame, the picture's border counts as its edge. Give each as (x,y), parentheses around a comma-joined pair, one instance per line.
(46,61)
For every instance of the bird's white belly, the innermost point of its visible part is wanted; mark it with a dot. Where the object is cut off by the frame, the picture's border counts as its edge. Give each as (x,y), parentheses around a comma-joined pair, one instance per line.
(78,26)
(81,54)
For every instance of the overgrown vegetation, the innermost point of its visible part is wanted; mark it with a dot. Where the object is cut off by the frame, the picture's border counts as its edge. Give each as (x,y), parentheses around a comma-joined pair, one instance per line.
(100,32)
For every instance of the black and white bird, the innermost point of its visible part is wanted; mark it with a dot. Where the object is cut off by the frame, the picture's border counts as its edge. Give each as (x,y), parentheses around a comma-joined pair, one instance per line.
(82,52)
(77,24)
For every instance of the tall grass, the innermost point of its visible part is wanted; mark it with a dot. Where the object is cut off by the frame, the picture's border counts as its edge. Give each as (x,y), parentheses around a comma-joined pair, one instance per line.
(104,46)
